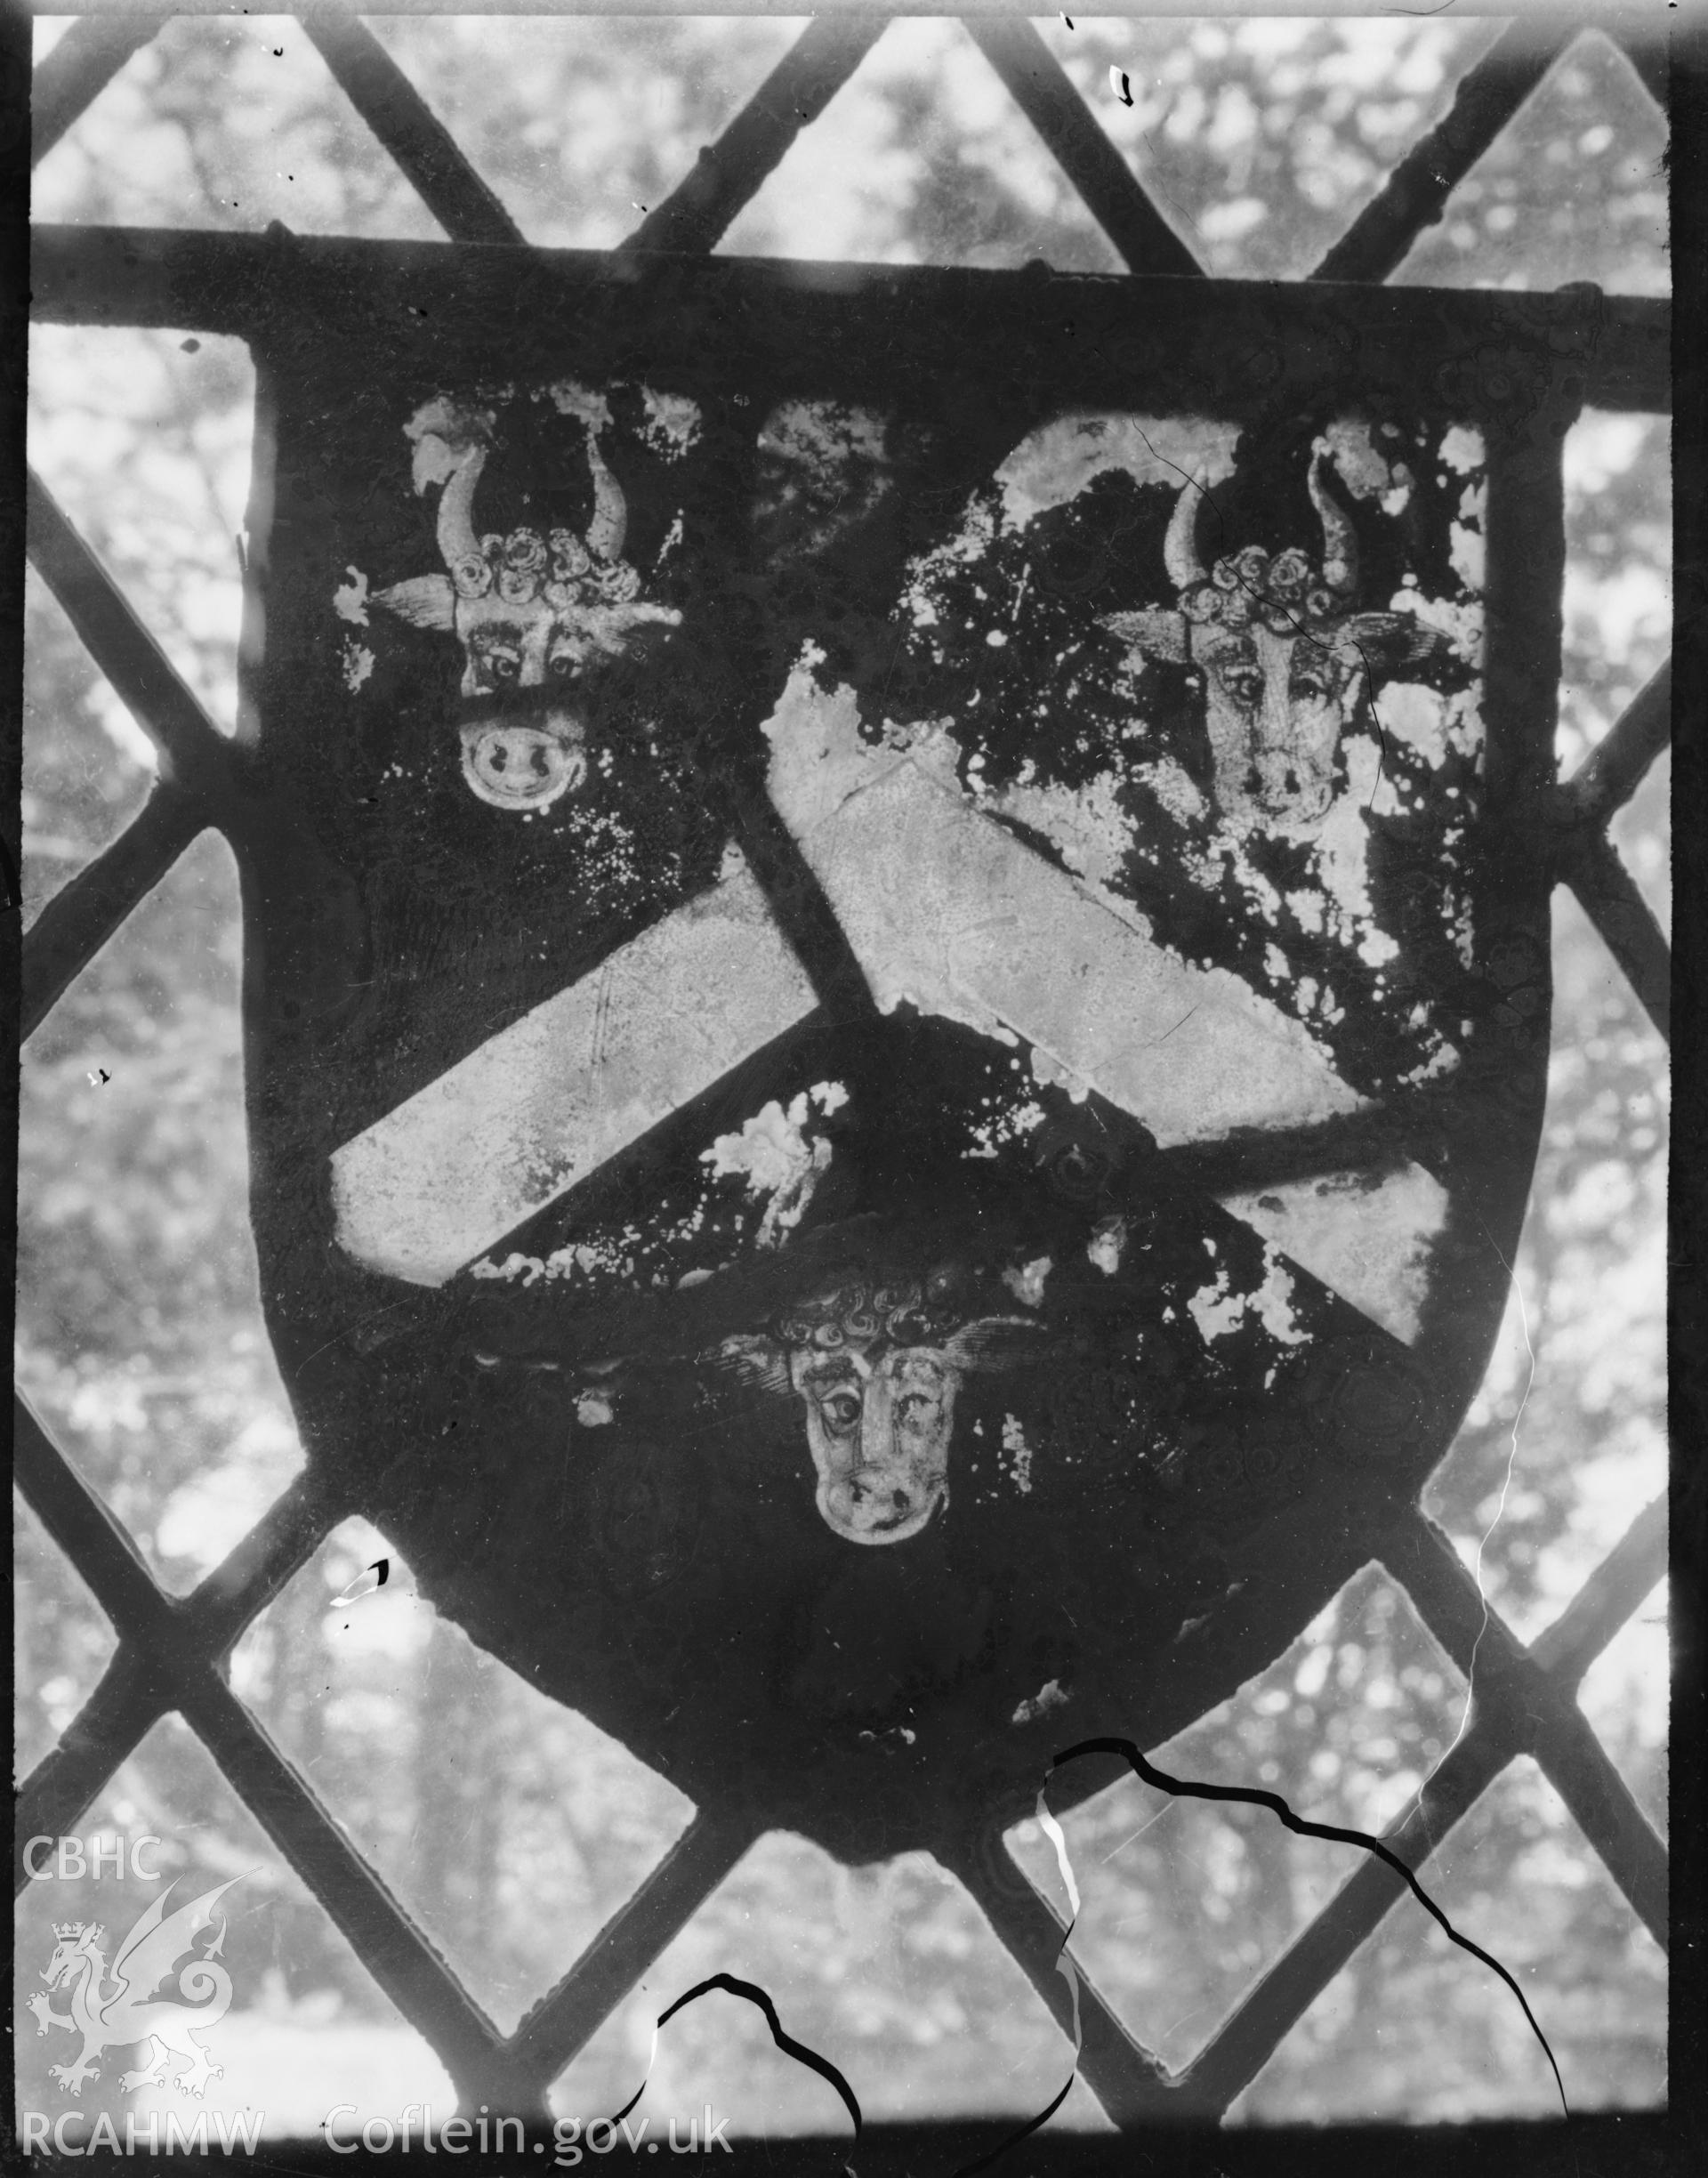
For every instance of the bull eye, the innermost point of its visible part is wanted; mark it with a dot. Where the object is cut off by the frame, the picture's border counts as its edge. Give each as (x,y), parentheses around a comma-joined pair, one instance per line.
(562,666)
(503,664)
(842,1409)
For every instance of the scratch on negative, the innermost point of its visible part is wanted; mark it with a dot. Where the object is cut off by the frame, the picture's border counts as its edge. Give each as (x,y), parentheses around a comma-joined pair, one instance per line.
(1500,1514)
(1178,1024)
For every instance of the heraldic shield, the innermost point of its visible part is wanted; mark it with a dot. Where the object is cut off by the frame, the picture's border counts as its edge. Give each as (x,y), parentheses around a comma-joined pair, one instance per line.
(893,1132)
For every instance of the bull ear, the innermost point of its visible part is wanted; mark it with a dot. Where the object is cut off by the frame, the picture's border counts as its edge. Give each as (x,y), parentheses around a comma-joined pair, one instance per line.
(1387,642)
(995,1343)
(425,602)
(1154,631)
(755,1362)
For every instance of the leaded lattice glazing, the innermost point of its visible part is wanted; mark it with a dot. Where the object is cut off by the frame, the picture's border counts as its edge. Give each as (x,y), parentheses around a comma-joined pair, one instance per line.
(172,1653)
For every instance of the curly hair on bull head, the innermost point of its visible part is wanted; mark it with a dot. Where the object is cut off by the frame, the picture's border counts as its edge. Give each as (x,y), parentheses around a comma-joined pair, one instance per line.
(876,1362)
(1287,654)
(860,1313)
(538,615)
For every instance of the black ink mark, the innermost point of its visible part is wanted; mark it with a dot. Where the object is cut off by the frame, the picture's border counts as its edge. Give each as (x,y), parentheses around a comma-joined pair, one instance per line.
(362,1585)
(1381,731)
(1255,1796)
(99,1078)
(1068,20)
(1014,2139)
(1204,493)
(1119,84)
(784,2041)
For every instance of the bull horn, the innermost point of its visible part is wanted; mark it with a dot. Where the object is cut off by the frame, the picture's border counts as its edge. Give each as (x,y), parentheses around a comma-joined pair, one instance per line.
(456,537)
(610,522)
(1181,545)
(1340,539)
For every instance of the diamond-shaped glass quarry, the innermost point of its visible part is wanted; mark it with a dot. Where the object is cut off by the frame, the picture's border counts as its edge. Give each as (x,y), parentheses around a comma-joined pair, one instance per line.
(890,1972)
(509,1828)
(290,2020)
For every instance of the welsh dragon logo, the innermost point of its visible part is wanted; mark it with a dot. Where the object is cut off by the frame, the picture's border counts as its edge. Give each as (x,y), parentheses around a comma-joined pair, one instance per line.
(117,2007)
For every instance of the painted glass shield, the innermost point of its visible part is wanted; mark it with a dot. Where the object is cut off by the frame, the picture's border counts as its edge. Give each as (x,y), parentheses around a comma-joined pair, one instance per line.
(894,1133)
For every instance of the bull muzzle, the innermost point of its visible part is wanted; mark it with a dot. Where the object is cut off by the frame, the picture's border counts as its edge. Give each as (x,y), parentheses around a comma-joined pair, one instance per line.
(522,751)
(878,1504)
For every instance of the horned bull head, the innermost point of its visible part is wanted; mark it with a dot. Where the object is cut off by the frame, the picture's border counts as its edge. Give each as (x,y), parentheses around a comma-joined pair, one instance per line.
(877,1373)
(537,616)
(1285,656)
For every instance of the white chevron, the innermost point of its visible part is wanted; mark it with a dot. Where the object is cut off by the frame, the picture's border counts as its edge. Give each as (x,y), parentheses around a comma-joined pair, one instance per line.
(944,908)
(947,910)
(549,1098)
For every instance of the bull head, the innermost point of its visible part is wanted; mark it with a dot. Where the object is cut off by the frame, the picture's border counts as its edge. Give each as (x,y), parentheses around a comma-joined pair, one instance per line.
(879,1389)
(537,617)
(1285,656)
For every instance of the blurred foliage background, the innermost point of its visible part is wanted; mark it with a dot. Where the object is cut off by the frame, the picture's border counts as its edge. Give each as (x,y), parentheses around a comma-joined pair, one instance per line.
(510,1827)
